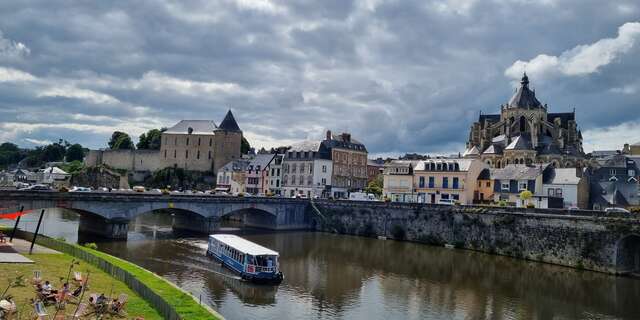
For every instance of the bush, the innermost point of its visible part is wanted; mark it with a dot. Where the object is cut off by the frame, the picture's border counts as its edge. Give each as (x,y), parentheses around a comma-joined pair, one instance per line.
(530,205)
(61,239)
(91,245)
(502,203)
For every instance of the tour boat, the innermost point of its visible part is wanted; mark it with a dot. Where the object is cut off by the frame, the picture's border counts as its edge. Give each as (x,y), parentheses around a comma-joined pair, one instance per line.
(251,261)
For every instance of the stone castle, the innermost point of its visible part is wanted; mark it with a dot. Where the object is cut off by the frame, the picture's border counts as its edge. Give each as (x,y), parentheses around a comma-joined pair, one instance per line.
(197,145)
(525,133)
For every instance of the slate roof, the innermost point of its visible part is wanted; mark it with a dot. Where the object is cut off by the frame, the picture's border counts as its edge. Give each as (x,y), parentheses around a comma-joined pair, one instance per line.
(493,149)
(473,151)
(54,170)
(524,97)
(564,176)
(485,174)
(229,123)
(236,165)
(520,142)
(518,172)
(338,141)
(260,160)
(197,127)
(307,145)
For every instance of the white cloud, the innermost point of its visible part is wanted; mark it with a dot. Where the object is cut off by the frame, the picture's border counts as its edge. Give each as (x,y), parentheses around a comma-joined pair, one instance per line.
(161,82)
(582,59)
(260,5)
(37,142)
(611,138)
(14,75)
(77,93)
(12,49)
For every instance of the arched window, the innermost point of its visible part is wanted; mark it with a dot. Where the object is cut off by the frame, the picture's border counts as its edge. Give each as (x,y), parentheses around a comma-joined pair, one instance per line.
(523,124)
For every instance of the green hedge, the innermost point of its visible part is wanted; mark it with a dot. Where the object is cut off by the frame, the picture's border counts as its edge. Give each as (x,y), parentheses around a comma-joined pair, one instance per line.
(170,301)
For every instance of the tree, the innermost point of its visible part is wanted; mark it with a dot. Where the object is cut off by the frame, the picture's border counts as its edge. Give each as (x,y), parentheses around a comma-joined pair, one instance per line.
(53,152)
(375,186)
(244,146)
(120,140)
(10,154)
(74,152)
(151,139)
(525,196)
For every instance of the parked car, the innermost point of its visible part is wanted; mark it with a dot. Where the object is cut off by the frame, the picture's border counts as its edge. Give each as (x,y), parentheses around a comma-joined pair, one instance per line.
(447,201)
(38,187)
(616,210)
(80,189)
(138,189)
(362,196)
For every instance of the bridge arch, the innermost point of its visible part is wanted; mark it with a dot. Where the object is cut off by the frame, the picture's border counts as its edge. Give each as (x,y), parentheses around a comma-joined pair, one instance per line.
(628,254)
(255,217)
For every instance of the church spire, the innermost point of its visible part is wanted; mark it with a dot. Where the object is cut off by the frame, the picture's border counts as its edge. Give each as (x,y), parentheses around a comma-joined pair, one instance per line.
(525,80)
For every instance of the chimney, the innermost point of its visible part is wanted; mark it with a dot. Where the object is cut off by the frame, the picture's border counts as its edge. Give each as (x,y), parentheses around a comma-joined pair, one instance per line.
(328,134)
(346,137)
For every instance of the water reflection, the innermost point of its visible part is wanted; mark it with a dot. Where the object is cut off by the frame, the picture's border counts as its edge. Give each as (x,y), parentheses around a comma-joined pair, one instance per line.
(342,277)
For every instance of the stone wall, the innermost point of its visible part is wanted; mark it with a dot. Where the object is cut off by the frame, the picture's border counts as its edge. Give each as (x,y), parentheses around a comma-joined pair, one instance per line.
(589,242)
(131,160)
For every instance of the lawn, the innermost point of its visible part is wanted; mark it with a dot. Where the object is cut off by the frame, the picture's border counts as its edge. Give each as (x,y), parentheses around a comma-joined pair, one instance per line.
(55,266)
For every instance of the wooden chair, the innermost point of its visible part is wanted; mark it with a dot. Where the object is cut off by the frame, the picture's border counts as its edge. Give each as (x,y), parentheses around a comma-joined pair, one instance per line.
(37,277)
(77,277)
(80,312)
(41,311)
(119,309)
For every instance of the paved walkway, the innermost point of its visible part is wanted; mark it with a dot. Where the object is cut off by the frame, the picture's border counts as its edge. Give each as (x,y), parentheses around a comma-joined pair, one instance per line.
(12,252)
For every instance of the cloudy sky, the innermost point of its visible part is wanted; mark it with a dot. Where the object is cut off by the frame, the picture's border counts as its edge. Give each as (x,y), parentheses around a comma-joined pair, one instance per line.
(402,76)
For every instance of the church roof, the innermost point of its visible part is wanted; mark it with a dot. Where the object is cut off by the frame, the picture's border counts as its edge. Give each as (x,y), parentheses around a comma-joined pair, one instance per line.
(520,142)
(524,97)
(229,123)
(493,149)
(192,127)
(473,151)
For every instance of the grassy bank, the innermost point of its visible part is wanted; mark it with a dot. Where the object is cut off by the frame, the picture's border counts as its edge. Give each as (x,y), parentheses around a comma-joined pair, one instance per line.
(182,302)
(165,297)
(55,266)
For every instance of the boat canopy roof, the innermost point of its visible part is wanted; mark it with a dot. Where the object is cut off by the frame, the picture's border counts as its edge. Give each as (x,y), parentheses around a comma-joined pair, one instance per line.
(243,245)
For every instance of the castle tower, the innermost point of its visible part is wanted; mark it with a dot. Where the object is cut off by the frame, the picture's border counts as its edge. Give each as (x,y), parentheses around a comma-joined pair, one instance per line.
(227,141)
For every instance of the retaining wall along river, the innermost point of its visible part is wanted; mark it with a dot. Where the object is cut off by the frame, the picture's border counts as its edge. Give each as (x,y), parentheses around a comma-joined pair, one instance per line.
(589,241)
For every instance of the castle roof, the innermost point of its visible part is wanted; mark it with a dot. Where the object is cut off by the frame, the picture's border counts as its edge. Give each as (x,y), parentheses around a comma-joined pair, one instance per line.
(524,97)
(229,123)
(193,127)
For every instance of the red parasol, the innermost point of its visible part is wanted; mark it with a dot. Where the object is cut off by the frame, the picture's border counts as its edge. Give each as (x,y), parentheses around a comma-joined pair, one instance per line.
(13,215)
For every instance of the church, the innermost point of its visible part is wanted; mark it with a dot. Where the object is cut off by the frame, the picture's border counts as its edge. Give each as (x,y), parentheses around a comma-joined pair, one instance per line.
(526,133)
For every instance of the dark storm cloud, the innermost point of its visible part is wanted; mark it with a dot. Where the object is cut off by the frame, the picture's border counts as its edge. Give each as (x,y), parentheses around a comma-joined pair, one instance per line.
(403,76)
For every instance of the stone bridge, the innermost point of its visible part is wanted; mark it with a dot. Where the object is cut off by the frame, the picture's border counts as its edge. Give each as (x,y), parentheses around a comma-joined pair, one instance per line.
(108,214)
(581,239)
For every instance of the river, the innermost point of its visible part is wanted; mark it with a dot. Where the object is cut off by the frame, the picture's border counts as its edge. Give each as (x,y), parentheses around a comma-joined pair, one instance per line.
(331,276)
